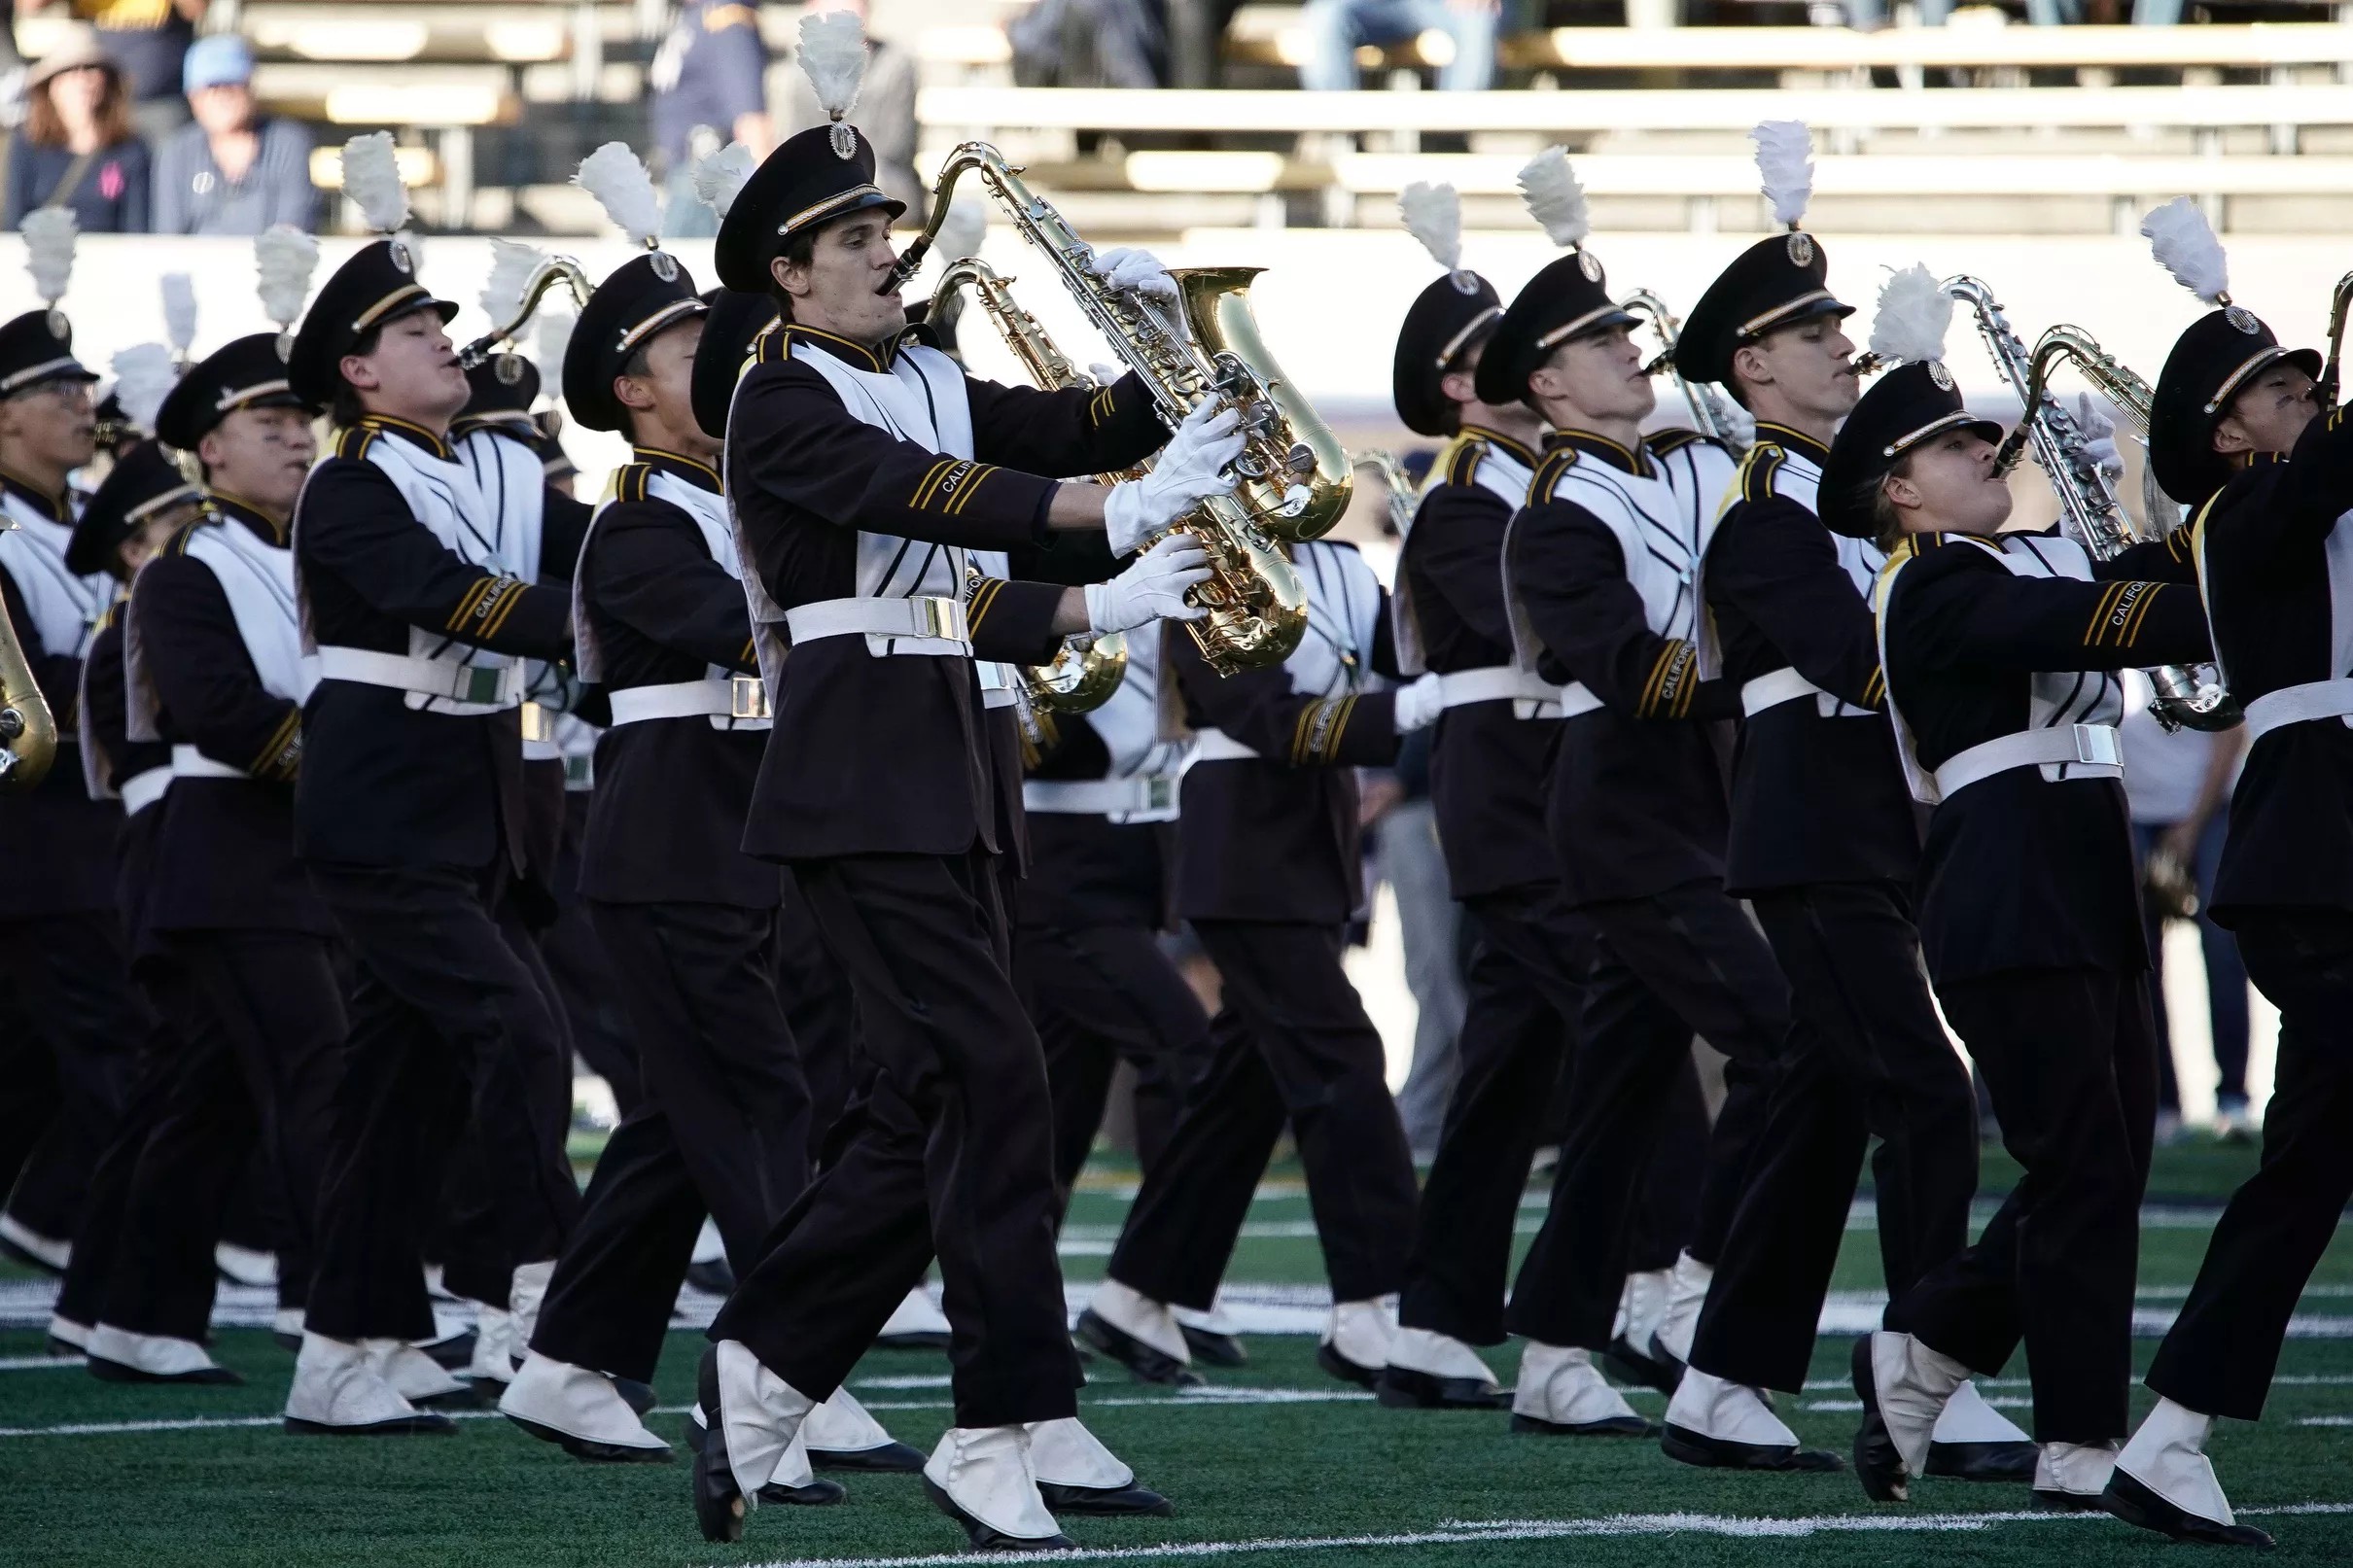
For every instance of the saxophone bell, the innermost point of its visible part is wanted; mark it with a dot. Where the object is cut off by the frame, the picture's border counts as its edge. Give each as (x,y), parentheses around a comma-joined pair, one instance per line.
(28,730)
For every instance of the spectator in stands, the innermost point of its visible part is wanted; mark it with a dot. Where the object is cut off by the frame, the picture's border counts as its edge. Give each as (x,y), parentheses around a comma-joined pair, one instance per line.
(710,87)
(885,112)
(1090,43)
(146,39)
(76,147)
(1337,28)
(235,170)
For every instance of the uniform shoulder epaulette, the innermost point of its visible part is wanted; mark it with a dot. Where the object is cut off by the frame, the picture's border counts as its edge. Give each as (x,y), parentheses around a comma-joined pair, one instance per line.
(1759,470)
(1459,460)
(1556,462)
(177,544)
(630,480)
(1662,442)
(353,441)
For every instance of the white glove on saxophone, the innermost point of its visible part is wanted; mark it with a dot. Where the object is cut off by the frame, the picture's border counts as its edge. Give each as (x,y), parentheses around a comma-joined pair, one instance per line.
(1151,590)
(1190,467)
(1418,704)
(1124,267)
(2099,437)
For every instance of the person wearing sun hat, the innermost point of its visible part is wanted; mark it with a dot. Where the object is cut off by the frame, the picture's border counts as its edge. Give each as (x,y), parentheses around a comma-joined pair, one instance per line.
(1601,572)
(1998,655)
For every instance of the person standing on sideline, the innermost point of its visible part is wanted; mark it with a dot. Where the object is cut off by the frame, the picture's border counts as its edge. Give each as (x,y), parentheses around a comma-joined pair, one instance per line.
(234,170)
(709,88)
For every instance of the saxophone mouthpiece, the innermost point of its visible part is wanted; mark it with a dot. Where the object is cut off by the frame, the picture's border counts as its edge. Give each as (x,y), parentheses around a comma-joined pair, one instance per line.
(1869,364)
(1660,364)
(910,261)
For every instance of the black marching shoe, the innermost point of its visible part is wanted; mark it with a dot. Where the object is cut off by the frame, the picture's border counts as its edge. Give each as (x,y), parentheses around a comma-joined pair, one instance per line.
(1878,1464)
(719,1506)
(1329,1358)
(639,1397)
(1150,1365)
(1614,1426)
(2135,1503)
(1682,1443)
(1215,1349)
(1632,1366)
(453,1354)
(818,1493)
(985,1538)
(115,1372)
(1107,1501)
(888,1458)
(2011,1462)
(2047,1500)
(1405,1389)
(713,1277)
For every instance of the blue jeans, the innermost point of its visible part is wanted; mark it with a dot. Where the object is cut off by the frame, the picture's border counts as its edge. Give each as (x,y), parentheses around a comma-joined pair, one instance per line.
(1336,28)
(2225,973)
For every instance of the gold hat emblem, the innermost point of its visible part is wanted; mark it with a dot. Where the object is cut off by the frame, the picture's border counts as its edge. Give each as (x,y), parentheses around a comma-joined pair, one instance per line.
(1801,250)
(2240,317)
(1589,267)
(1939,376)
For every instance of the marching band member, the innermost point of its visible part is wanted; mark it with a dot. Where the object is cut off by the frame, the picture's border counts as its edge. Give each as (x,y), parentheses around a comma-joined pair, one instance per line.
(1600,566)
(409,816)
(1997,652)
(859,471)
(1822,843)
(2236,432)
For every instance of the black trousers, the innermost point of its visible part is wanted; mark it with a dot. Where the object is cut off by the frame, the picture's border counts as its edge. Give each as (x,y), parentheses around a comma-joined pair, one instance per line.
(1290,1042)
(1666,967)
(81,1294)
(583,973)
(953,1140)
(2070,1059)
(2220,1354)
(723,1128)
(261,1034)
(443,1014)
(1525,979)
(1102,995)
(74,1030)
(1872,1061)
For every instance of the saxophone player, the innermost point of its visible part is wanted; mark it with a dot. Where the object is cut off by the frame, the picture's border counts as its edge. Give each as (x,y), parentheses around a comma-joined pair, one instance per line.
(1998,652)
(2236,433)
(859,470)
(1821,842)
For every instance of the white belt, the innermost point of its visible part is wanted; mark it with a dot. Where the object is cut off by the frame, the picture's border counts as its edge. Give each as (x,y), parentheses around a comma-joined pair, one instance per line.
(1101,798)
(187,762)
(1569,701)
(2298,705)
(999,696)
(1216,745)
(2093,746)
(143,790)
(921,625)
(486,685)
(1499,683)
(1786,684)
(741,696)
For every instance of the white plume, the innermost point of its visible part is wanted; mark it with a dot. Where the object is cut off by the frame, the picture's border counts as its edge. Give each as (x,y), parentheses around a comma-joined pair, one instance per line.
(1555,198)
(1786,167)
(962,231)
(554,335)
(178,309)
(1915,312)
(1433,215)
(510,268)
(283,259)
(2184,245)
(719,177)
(371,176)
(833,52)
(49,250)
(614,175)
(144,376)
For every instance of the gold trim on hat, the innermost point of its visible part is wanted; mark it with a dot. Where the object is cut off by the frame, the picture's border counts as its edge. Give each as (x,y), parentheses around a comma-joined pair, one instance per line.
(1757,324)
(827,208)
(2261,360)
(375,313)
(259,389)
(1453,344)
(1959,416)
(32,373)
(1563,334)
(155,503)
(661,318)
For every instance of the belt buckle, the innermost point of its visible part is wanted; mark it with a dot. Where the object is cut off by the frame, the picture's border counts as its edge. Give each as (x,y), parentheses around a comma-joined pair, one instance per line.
(1159,793)
(483,684)
(747,697)
(2096,743)
(940,617)
(537,726)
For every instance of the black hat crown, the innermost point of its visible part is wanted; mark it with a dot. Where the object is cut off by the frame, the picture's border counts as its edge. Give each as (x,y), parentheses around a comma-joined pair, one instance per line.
(1903,407)
(636,304)
(245,372)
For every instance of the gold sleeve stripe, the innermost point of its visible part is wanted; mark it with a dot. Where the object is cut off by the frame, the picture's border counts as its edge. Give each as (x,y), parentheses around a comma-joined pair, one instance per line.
(750,653)
(1299,730)
(2179,542)
(932,477)
(1321,724)
(473,597)
(979,474)
(1099,407)
(2101,611)
(284,748)
(983,599)
(2140,613)
(501,604)
(1660,675)
(1875,691)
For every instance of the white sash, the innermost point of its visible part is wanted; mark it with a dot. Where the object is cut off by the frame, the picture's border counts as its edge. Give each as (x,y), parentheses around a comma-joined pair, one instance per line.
(65,608)
(1502,475)
(511,478)
(258,579)
(2337,553)
(999,686)
(1343,620)
(1798,477)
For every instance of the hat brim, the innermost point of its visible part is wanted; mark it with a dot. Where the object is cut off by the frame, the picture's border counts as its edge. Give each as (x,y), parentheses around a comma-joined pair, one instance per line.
(2181,434)
(72,369)
(76,59)
(742,258)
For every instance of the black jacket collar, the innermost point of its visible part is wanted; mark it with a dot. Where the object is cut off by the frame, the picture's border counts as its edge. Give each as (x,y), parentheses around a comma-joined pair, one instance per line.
(700,474)
(228,508)
(1803,445)
(1601,448)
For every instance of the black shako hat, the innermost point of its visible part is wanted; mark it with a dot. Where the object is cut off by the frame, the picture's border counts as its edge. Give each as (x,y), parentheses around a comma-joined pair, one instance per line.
(736,318)
(377,285)
(245,372)
(142,482)
(1444,322)
(37,348)
(634,304)
(2220,353)
(1567,299)
(1903,408)
(1775,283)
(813,178)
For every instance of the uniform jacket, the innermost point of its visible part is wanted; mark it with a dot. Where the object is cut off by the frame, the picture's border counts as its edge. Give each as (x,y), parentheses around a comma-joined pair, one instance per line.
(1275,836)
(1489,768)
(384,784)
(224,856)
(1817,794)
(1638,794)
(2021,871)
(117,759)
(888,753)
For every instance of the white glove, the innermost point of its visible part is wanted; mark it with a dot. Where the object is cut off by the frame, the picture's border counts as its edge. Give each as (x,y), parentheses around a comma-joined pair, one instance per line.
(1123,267)
(1152,589)
(1190,466)
(2099,439)
(1418,704)
(1105,374)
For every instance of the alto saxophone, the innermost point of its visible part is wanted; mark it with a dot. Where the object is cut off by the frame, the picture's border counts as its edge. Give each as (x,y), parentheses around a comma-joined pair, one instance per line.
(2340,299)
(28,731)
(1293,477)
(2188,696)
(544,277)
(1710,413)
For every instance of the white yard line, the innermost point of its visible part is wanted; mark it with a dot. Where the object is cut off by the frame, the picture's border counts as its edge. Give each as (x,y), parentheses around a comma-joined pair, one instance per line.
(37,1363)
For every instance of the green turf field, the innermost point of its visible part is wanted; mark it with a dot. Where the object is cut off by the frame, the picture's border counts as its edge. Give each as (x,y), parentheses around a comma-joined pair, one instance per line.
(1279,1457)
